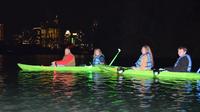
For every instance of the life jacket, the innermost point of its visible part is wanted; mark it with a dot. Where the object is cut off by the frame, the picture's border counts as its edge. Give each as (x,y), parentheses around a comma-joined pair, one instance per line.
(98,60)
(149,61)
(189,67)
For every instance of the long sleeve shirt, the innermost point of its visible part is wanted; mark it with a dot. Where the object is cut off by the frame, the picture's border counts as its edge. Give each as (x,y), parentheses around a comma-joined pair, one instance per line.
(67,60)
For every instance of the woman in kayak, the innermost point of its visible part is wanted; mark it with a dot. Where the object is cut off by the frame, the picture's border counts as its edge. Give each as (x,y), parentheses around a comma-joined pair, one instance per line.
(145,62)
(98,57)
(183,63)
(68,59)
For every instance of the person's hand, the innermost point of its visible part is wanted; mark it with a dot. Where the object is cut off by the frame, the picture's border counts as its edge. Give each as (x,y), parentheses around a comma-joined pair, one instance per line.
(133,67)
(162,69)
(53,63)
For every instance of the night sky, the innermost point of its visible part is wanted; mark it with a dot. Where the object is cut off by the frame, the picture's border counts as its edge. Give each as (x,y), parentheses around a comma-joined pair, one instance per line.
(162,24)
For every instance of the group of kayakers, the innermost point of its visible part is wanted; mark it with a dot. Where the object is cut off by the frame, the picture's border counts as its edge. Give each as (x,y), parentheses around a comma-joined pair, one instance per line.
(145,61)
(183,63)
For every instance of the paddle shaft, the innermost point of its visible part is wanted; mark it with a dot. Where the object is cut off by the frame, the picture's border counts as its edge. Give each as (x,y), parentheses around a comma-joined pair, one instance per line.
(114,57)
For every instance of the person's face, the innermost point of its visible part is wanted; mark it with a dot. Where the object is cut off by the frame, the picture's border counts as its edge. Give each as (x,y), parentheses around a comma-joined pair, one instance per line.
(143,50)
(67,51)
(181,52)
(97,52)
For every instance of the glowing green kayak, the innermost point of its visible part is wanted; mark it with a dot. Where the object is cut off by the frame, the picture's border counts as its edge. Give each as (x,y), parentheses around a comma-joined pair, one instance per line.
(111,70)
(165,75)
(39,68)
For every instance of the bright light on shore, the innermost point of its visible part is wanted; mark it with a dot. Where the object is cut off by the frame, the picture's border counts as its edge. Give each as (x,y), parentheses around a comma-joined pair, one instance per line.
(67,32)
(74,34)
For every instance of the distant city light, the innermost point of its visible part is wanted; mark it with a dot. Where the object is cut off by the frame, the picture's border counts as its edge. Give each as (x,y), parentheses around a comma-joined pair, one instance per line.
(67,33)
(47,35)
(74,34)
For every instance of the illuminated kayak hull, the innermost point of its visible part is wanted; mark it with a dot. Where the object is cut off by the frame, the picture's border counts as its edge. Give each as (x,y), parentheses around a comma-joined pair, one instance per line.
(38,68)
(111,70)
(165,75)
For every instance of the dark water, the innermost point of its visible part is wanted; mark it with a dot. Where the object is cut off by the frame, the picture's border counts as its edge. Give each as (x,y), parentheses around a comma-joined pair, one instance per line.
(67,92)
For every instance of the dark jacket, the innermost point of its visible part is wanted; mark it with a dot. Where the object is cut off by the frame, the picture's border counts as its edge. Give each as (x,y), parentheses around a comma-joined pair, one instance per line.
(183,64)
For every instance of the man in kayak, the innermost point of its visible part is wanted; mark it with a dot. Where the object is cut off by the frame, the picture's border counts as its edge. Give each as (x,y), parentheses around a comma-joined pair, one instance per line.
(183,63)
(68,59)
(145,62)
(98,57)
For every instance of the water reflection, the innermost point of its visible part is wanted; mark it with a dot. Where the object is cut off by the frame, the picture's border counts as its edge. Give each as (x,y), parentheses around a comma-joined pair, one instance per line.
(63,83)
(198,90)
(96,78)
(1,77)
(107,92)
(2,85)
(1,62)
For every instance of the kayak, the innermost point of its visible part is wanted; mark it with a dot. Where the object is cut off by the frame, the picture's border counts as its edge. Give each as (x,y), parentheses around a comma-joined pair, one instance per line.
(80,69)
(164,75)
(111,70)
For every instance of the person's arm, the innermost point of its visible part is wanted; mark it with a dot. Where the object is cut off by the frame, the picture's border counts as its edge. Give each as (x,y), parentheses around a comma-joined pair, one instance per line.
(60,62)
(169,69)
(143,62)
(102,60)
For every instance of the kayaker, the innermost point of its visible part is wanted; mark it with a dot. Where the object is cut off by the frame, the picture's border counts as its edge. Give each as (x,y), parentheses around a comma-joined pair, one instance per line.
(98,57)
(145,61)
(68,59)
(183,63)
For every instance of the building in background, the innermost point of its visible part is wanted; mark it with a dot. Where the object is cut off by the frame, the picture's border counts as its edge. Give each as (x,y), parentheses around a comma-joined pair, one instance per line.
(2,32)
(47,36)
(50,35)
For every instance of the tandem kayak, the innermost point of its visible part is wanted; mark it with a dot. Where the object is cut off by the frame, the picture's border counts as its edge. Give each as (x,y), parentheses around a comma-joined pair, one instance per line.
(164,75)
(129,73)
(40,68)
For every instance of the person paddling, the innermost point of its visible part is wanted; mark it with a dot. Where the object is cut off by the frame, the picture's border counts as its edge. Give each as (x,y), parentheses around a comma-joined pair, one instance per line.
(68,59)
(145,61)
(183,63)
(98,57)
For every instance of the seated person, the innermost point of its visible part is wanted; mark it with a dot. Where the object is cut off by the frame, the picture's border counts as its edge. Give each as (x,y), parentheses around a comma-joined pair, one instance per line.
(68,59)
(98,57)
(183,63)
(145,62)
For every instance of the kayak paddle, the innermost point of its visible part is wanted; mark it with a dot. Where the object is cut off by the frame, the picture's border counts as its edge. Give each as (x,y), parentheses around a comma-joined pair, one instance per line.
(119,50)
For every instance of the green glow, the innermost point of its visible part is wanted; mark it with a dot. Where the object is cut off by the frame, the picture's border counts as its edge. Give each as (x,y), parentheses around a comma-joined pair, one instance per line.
(112,70)
(79,69)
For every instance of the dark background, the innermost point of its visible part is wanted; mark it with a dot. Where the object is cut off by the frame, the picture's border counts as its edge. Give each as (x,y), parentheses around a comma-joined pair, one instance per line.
(162,24)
